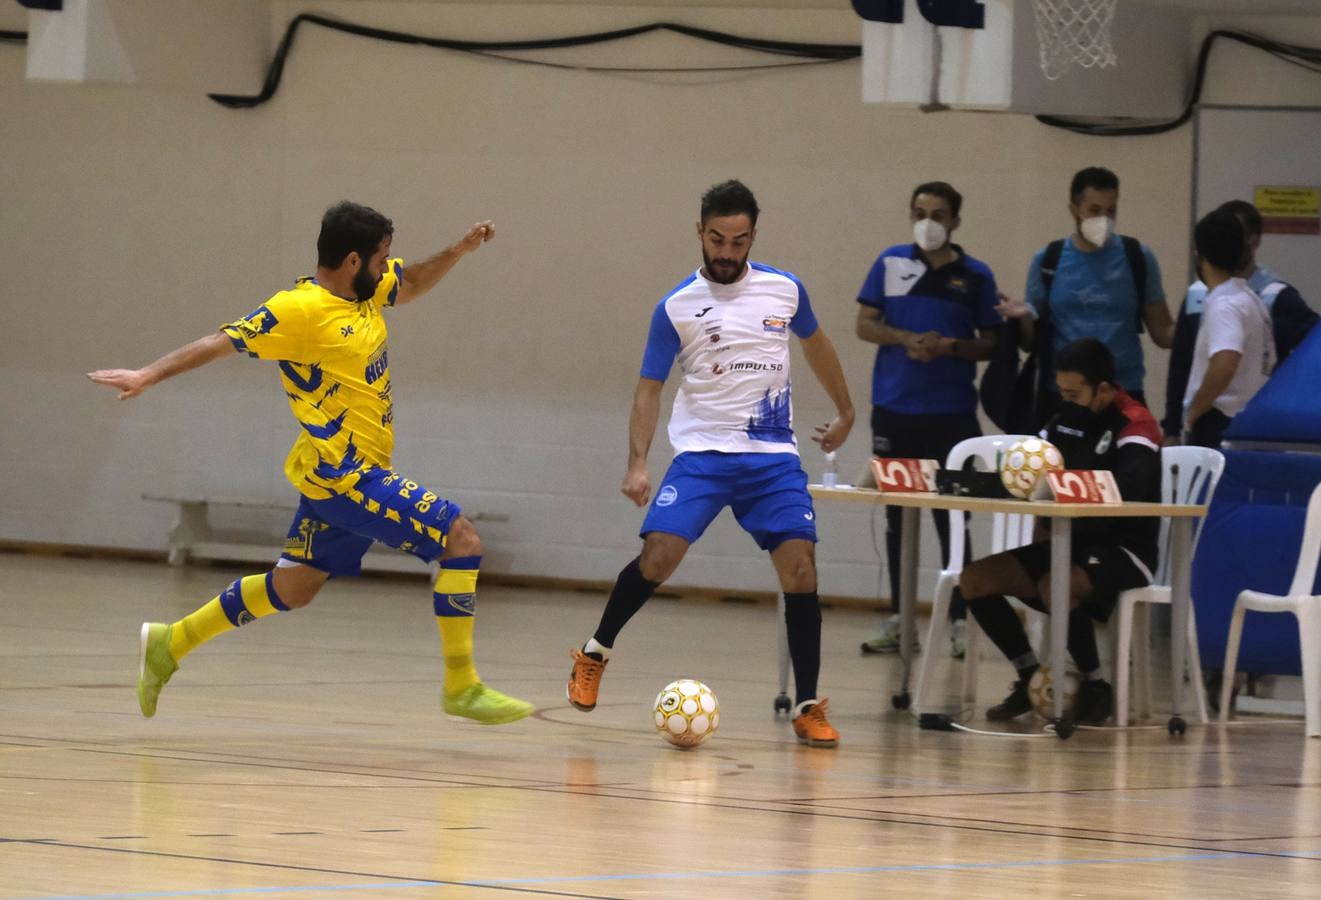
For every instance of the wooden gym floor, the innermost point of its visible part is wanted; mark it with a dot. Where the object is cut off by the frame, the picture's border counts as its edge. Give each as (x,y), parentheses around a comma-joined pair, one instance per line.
(306,756)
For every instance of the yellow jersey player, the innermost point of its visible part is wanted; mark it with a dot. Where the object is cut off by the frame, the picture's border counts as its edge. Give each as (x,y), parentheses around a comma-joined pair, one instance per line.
(329,338)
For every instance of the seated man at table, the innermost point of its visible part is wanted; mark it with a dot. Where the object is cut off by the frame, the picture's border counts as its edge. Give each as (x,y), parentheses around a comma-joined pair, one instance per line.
(1098,427)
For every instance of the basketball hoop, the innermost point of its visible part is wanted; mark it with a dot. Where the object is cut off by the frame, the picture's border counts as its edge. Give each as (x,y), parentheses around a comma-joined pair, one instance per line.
(1074,32)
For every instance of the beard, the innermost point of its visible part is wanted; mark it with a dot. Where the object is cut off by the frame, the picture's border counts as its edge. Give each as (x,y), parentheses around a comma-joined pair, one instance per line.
(364,285)
(723,270)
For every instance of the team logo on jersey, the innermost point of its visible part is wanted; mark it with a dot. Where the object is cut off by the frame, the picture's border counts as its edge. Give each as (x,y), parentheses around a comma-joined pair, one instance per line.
(667,495)
(260,321)
(1104,443)
(774,324)
(746,366)
(954,283)
(715,338)
(376,365)
(245,617)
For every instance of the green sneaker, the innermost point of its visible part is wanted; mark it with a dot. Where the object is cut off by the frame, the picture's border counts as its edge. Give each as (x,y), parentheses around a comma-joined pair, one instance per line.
(157,665)
(486,705)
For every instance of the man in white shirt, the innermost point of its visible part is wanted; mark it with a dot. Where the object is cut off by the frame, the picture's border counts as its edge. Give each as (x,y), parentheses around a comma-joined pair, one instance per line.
(728,325)
(1291,317)
(1235,350)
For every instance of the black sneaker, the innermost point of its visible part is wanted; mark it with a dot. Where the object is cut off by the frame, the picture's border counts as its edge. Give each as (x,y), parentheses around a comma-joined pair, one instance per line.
(1096,702)
(1013,706)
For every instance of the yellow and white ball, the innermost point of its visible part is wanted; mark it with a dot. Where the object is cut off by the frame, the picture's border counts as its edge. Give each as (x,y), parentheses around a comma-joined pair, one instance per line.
(1041,691)
(686,712)
(1026,463)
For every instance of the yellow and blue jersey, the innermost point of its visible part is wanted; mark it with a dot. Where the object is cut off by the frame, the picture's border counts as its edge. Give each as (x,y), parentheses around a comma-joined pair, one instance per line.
(335,368)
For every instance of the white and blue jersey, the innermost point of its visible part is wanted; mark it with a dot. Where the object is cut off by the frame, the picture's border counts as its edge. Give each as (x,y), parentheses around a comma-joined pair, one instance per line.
(731,342)
(956,300)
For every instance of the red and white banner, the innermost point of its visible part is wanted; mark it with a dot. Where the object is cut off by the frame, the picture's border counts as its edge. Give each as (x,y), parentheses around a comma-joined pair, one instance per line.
(1078,486)
(905,476)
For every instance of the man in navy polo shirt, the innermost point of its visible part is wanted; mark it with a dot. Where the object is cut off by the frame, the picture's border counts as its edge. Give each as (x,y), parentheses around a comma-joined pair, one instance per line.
(931,309)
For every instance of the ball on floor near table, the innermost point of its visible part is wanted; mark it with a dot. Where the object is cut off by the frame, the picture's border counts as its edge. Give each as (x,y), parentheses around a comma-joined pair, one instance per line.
(1041,691)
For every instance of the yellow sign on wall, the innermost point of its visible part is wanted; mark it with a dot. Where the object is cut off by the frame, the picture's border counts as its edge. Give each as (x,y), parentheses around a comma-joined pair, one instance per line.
(1289,209)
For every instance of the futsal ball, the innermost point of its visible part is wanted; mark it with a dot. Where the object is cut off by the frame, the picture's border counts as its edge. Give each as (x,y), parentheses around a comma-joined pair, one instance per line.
(1026,463)
(1041,691)
(686,712)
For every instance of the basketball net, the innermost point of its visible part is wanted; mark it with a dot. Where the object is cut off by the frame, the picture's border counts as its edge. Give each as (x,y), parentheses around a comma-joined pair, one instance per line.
(1074,32)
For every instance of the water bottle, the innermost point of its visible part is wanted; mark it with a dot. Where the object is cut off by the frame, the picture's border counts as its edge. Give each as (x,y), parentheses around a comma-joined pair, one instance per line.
(830,475)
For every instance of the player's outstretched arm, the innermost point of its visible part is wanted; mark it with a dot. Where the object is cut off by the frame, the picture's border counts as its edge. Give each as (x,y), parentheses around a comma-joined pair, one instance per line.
(131,382)
(422,276)
(824,362)
(641,429)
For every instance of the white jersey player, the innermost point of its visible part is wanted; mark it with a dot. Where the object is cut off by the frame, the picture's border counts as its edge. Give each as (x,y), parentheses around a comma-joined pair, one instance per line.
(727,326)
(731,342)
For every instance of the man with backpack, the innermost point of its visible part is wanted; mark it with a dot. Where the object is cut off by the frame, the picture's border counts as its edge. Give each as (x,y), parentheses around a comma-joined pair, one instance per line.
(1093,284)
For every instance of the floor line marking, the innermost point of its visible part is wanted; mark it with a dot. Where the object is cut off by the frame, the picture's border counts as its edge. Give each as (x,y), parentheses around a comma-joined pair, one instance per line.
(677,876)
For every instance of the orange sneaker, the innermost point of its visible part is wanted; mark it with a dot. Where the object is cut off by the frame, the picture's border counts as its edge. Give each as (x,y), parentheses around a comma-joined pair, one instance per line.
(584,680)
(811,726)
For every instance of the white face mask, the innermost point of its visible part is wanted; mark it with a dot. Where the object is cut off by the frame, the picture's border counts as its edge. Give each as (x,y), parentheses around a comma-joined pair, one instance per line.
(929,234)
(1097,229)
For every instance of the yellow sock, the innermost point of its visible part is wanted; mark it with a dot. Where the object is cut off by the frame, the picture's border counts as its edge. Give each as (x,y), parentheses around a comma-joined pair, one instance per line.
(244,601)
(455,597)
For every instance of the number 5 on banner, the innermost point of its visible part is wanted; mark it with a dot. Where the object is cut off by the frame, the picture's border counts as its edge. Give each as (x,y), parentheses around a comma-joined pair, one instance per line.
(905,476)
(1080,486)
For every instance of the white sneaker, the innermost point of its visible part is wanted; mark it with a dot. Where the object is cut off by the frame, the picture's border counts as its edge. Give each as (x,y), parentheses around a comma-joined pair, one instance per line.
(957,643)
(887,641)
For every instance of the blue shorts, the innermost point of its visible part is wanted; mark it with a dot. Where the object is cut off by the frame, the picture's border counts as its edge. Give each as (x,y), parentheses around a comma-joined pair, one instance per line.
(333,534)
(766,491)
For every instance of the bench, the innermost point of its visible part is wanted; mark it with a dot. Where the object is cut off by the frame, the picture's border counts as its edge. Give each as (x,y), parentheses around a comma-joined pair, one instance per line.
(193,538)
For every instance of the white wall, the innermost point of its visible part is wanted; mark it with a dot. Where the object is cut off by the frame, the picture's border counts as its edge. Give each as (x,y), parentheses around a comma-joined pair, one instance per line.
(1239,74)
(135,220)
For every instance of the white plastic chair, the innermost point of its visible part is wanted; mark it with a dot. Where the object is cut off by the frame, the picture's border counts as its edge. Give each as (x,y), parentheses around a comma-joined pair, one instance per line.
(1008,530)
(1305,605)
(1188,475)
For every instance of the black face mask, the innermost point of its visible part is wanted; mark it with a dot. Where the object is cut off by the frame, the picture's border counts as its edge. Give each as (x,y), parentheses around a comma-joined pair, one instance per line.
(1077,415)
